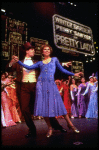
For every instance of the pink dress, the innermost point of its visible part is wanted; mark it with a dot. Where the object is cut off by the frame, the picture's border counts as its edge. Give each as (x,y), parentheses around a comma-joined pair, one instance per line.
(5,102)
(2,118)
(14,102)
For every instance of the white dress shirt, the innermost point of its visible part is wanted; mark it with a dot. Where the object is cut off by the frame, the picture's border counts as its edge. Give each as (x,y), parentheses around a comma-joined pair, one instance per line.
(28,75)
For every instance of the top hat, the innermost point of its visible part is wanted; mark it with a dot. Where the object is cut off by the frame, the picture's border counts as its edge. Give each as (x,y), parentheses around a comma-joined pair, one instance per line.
(28,45)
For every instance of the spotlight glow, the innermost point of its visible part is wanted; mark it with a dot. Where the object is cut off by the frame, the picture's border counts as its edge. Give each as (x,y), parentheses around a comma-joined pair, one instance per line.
(3,10)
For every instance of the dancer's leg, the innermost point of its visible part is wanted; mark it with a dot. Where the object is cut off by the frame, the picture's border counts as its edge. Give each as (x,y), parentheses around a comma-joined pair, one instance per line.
(47,120)
(66,117)
(70,124)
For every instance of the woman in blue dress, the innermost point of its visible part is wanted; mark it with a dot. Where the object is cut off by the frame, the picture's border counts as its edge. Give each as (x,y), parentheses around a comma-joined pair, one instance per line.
(48,102)
(81,100)
(92,111)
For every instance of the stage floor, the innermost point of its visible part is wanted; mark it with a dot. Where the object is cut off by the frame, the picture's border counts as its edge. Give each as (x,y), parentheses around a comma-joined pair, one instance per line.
(87,138)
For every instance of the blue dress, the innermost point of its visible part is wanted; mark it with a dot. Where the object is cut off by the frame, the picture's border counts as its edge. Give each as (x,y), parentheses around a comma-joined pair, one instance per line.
(92,111)
(48,102)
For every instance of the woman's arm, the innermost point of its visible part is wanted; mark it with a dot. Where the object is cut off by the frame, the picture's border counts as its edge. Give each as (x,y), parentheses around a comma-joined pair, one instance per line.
(34,66)
(96,89)
(66,71)
(86,91)
(71,92)
(62,69)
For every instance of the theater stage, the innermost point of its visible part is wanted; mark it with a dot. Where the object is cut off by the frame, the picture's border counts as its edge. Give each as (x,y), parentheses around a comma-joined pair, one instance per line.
(87,138)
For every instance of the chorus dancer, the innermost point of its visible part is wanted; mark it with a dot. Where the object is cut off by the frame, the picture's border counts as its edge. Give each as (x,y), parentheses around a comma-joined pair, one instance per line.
(81,100)
(48,101)
(58,83)
(66,97)
(6,103)
(11,93)
(73,93)
(92,111)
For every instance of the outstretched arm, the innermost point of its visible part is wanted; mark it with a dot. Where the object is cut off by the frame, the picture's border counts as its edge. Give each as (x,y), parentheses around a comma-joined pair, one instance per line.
(62,69)
(34,66)
(66,71)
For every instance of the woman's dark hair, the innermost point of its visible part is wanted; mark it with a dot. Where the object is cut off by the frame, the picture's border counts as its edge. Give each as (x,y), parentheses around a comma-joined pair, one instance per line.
(71,81)
(82,77)
(46,45)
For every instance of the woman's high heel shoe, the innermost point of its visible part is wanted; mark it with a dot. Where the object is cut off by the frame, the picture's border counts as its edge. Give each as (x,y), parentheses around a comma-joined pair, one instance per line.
(73,128)
(49,133)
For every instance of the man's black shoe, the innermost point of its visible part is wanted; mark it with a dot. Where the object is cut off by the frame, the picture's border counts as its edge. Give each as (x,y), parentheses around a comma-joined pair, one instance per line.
(63,130)
(30,134)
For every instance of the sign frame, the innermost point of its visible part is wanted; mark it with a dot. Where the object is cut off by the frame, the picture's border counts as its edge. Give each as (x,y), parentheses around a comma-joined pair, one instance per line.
(74,24)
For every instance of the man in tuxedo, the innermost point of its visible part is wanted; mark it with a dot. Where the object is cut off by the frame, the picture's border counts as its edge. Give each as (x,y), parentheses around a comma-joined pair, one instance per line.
(25,89)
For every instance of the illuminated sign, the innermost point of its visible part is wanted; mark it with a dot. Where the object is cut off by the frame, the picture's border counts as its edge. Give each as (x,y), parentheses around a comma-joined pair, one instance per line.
(38,43)
(76,67)
(5,50)
(72,36)
(15,35)
(16,26)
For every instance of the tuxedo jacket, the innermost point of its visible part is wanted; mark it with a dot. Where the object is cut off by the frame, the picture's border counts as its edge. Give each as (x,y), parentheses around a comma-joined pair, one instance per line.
(19,70)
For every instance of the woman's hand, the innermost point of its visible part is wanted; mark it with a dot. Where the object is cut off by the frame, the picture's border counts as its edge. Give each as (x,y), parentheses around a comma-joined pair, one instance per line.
(79,74)
(12,61)
(16,59)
